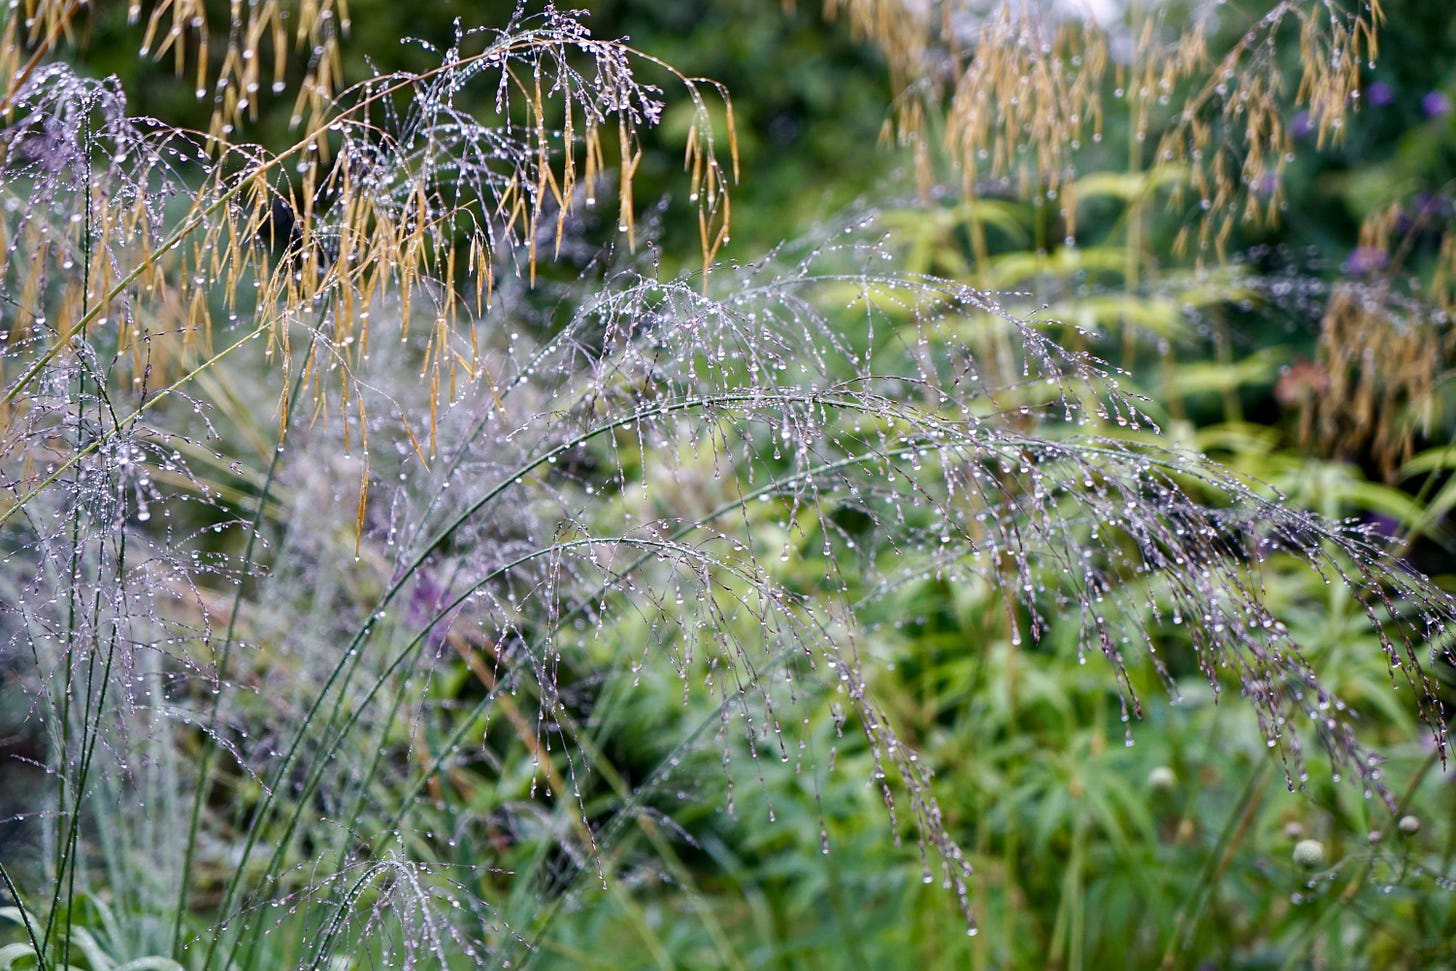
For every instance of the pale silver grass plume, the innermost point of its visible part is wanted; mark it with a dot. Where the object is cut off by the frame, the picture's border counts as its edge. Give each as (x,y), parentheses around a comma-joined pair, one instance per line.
(223,218)
(670,451)
(85,188)
(91,602)
(73,516)
(86,193)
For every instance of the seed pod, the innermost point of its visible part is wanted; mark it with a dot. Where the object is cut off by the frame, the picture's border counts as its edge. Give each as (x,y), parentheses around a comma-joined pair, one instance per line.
(1309,854)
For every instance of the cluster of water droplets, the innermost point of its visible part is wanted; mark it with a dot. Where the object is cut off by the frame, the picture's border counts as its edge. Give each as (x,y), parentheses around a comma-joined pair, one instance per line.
(656,480)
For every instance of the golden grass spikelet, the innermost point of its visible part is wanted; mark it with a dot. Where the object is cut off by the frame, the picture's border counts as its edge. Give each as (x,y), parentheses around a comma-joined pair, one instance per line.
(1381,370)
(1023,102)
(1020,85)
(262,36)
(1381,356)
(259,43)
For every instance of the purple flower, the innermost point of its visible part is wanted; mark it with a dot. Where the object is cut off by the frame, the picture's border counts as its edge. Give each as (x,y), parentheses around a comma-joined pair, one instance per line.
(1435,104)
(427,606)
(1379,94)
(1426,211)
(1365,259)
(1300,125)
(1381,525)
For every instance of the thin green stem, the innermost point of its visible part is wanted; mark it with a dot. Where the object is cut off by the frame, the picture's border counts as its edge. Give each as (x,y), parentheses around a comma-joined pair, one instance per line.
(210,751)
(1185,922)
(32,932)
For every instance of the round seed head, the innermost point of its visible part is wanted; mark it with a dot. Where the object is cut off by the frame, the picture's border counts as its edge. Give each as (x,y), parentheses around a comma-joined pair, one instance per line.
(1309,854)
(1162,779)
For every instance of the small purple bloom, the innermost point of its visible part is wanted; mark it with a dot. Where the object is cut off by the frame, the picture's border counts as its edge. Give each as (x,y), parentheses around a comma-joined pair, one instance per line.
(1379,94)
(427,605)
(1404,221)
(1426,211)
(1381,525)
(1433,205)
(1300,125)
(1365,259)
(1435,104)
